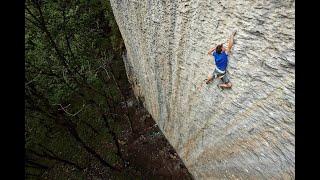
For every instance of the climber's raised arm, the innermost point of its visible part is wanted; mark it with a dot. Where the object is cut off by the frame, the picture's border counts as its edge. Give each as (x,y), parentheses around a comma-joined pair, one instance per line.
(230,44)
(210,51)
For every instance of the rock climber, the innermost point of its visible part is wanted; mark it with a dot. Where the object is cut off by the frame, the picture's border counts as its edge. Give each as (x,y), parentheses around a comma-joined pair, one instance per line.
(220,55)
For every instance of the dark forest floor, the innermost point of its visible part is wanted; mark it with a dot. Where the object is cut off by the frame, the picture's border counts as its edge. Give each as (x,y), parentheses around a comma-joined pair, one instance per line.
(149,153)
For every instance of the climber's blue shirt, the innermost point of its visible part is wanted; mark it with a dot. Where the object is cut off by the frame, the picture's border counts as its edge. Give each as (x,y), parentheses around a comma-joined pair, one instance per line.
(221,60)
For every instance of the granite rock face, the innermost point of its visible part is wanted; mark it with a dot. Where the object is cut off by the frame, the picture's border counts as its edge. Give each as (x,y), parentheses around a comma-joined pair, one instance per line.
(247,132)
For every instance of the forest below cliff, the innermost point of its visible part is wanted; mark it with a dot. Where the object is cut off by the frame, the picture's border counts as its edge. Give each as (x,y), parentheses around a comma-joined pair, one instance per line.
(81,118)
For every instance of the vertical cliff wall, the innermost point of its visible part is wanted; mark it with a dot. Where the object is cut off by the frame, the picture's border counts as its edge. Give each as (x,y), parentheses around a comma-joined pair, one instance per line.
(247,132)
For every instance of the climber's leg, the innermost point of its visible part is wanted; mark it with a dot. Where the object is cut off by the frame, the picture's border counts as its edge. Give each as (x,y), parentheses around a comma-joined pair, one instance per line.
(226,82)
(211,76)
(226,85)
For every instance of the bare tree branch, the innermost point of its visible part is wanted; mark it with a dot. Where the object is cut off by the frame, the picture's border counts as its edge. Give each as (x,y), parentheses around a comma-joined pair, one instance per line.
(30,13)
(68,113)
(34,23)
(33,79)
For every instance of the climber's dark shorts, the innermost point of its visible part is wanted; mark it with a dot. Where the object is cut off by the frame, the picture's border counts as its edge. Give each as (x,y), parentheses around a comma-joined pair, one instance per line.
(217,74)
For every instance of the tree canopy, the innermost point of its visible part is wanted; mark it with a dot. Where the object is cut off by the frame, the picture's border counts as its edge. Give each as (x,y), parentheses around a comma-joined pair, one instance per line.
(73,87)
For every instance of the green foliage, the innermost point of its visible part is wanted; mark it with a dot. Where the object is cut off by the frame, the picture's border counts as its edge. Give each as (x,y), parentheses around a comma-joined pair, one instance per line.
(72,57)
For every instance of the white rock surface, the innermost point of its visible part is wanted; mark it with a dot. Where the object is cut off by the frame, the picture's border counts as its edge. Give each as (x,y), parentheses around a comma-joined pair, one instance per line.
(247,132)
